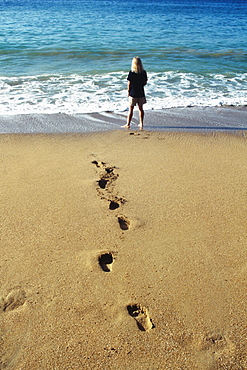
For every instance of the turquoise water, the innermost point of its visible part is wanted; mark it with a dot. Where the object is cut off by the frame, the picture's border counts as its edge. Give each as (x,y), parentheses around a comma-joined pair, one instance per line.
(74,56)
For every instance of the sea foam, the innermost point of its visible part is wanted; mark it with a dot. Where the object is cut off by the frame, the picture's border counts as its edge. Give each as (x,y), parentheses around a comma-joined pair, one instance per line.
(108,92)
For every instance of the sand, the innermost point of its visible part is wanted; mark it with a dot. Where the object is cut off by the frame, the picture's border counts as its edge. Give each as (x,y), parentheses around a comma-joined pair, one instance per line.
(123,250)
(225,118)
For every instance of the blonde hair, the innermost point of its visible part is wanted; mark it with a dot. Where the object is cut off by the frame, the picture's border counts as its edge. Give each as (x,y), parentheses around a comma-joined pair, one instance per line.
(136,65)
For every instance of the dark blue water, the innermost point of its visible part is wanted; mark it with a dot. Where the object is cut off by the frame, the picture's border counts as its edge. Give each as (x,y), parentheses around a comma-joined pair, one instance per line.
(74,56)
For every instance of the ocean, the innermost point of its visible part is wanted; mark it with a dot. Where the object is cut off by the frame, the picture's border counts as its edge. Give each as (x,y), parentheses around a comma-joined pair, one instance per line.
(73,56)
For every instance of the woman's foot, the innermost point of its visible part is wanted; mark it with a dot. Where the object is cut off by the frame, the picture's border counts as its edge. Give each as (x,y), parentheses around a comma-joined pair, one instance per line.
(126,126)
(140,126)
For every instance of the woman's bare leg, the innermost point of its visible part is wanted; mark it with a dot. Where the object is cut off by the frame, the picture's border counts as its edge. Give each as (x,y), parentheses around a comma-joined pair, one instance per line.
(141,115)
(129,117)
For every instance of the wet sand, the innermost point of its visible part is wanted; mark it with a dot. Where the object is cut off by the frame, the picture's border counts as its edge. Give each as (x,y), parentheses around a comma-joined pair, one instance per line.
(203,119)
(123,250)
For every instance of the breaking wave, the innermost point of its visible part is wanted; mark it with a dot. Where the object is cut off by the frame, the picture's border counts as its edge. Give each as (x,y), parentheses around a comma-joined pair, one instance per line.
(107,92)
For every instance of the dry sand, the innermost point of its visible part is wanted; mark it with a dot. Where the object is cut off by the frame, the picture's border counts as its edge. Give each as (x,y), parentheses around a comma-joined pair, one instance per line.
(123,250)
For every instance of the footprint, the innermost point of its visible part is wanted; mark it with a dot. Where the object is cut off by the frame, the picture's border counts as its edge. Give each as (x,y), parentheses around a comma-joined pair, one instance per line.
(124,223)
(107,178)
(14,329)
(13,300)
(134,133)
(109,169)
(106,261)
(106,184)
(99,164)
(113,205)
(213,341)
(141,316)
(102,183)
(96,163)
(217,350)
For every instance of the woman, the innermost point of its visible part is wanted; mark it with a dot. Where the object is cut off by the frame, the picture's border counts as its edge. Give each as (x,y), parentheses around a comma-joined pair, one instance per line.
(137,79)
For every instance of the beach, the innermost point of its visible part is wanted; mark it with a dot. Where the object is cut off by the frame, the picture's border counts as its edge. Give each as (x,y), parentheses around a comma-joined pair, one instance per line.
(123,249)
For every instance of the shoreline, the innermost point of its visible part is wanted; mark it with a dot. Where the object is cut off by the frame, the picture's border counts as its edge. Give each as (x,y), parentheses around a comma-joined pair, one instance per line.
(172,119)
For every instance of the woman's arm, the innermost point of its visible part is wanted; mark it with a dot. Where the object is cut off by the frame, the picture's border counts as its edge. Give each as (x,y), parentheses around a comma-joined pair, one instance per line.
(129,88)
